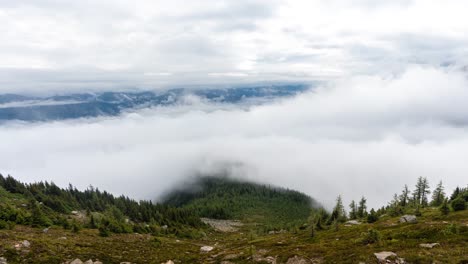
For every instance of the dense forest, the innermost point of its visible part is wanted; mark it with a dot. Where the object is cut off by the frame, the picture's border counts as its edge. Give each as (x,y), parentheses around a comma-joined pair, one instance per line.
(44,204)
(227,198)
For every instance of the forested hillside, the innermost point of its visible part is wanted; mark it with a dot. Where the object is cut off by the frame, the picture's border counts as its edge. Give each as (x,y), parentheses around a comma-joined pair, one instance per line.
(44,204)
(226,198)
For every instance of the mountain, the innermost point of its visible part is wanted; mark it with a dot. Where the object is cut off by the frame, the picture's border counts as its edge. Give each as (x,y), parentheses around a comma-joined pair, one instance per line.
(227,198)
(60,107)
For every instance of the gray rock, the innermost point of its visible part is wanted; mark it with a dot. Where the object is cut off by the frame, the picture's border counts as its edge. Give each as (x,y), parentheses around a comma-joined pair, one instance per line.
(169,262)
(45,230)
(26,243)
(408,219)
(353,222)
(429,245)
(206,249)
(89,261)
(76,261)
(97,262)
(3,260)
(382,256)
(297,260)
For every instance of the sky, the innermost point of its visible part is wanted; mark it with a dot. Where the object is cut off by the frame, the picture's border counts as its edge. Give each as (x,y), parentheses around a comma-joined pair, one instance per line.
(391,105)
(57,46)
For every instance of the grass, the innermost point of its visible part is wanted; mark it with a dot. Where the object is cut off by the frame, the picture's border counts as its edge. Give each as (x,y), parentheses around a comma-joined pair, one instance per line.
(327,246)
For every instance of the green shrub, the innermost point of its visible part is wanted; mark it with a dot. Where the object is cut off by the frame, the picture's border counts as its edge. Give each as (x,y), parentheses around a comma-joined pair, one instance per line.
(458,204)
(444,209)
(104,231)
(372,217)
(370,237)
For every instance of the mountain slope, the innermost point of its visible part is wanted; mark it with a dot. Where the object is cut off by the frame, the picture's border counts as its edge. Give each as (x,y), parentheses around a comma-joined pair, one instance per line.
(225,198)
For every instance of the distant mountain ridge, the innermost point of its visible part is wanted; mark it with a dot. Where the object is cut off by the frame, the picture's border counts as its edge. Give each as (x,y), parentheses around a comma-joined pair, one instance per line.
(82,105)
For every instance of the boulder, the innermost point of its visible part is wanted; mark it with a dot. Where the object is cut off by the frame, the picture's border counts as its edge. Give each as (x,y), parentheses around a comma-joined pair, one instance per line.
(89,261)
(297,260)
(389,257)
(26,244)
(45,230)
(3,260)
(206,249)
(408,219)
(76,261)
(429,245)
(169,262)
(382,256)
(353,222)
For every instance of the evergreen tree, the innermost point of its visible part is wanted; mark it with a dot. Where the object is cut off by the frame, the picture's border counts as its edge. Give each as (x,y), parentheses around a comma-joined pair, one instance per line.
(438,196)
(372,216)
(353,210)
(394,206)
(444,208)
(38,218)
(361,211)
(338,213)
(404,197)
(455,193)
(421,191)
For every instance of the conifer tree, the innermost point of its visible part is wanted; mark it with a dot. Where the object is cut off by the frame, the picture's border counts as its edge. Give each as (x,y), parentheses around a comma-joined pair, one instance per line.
(353,210)
(372,216)
(338,212)
(404,197)
(421,191)
(438,196)
(444,208)
(361,212)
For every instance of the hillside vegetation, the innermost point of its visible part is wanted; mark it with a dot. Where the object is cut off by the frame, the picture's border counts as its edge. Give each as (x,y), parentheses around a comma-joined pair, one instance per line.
(42,223)
(226,198)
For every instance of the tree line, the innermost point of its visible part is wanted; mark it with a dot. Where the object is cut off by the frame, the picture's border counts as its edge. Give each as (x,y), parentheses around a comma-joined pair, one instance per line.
(47,204)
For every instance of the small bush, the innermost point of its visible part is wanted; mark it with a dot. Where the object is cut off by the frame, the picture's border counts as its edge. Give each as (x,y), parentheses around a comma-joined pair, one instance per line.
(104,231)
(458,204)
(451,230)
(444,209)
(370,237)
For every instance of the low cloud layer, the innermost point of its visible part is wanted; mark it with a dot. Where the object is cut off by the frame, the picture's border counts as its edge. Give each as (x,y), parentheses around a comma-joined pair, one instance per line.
(358,136)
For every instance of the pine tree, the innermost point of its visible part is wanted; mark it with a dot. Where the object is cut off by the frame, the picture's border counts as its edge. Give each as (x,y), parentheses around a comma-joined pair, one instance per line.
(425,192)
(361,212)
(455,193)
(372,216)
(438,196)
(444,208)
(421,191)
(338,212)
(352,210)
(404,197)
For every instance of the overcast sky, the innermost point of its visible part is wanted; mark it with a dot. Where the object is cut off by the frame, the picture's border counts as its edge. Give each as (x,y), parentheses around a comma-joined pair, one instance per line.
(392,107)
(59,46)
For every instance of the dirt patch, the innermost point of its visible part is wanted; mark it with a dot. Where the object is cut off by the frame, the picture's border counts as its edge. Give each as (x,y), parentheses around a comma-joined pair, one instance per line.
(223,225)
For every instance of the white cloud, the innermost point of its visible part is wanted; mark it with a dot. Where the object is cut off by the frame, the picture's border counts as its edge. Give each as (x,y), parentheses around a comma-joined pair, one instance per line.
(72,45)
(359,136)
